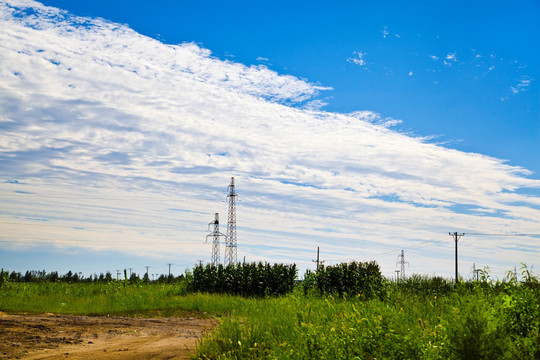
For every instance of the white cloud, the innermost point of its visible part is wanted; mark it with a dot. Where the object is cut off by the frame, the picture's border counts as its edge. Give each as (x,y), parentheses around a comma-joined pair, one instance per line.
(385,32)
(410,73)
(523,85)
(315,105)
(450,57)
(433,57)
(358,58)
(121,142)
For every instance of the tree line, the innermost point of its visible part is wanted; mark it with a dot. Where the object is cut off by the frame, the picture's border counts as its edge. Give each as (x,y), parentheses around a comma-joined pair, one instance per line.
(41,276)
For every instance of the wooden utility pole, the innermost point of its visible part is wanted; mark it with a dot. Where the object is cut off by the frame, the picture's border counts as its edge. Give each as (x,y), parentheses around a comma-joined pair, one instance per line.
(147,266)
(318,262)
(456,239)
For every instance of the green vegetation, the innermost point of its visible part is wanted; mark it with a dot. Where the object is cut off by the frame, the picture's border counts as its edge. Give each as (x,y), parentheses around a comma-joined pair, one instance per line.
(419,318)
(472,321)
(248,279)
(112,298)
(346,279)
(71,277)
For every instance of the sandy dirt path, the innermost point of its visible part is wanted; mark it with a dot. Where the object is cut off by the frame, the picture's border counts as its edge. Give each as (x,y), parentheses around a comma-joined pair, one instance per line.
(98,337)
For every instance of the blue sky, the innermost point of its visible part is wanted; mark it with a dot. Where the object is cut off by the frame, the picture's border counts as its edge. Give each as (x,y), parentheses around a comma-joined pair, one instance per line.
(360,128)
(469,100)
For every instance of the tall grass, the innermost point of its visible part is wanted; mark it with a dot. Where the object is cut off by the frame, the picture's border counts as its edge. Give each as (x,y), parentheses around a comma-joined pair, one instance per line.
(421,318)
(465,324)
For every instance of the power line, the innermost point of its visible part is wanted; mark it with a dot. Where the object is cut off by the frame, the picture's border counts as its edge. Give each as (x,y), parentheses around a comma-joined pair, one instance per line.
(429,243)
(79,196)
(82,227)
(410,248)
(487,234)
(6,239)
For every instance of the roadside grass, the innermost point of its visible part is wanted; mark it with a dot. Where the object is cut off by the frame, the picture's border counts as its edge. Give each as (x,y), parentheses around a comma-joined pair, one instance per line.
(91,299)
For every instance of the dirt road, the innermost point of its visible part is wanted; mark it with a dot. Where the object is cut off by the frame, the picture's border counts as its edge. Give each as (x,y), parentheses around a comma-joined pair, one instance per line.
(97,337)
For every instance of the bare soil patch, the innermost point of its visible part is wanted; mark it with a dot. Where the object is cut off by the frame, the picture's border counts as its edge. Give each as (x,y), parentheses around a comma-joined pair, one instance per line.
(99,337)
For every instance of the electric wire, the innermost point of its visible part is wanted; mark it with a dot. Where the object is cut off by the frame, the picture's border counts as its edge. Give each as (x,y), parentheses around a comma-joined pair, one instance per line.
(504,235)
(26,239)
(429,243)
(90,196)
(77,227)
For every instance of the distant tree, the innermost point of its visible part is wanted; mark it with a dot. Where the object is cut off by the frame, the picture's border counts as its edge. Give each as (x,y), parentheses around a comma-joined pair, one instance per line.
(146,280)
(134,278)
(108,277)
(4,276)
(15,276)
(68,277)
(28,276)
(40,276)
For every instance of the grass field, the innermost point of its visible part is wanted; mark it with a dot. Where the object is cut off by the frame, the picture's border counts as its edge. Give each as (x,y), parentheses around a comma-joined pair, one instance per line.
(418,319)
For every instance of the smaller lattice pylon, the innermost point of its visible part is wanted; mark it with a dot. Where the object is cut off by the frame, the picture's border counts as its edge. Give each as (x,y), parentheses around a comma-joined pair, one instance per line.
(215,235)
(402,264)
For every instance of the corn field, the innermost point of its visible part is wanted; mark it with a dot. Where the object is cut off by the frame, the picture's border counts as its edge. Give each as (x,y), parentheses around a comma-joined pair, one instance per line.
(247,279)
(363,279)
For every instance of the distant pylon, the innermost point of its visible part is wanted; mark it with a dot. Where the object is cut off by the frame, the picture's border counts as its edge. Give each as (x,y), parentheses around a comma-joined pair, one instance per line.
(215,234)
(230,244)
(476,272)
(402,263)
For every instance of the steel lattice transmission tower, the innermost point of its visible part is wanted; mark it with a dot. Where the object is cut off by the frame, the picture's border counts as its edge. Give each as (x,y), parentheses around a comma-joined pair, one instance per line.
(230,244)
(402,263)
(215,235)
